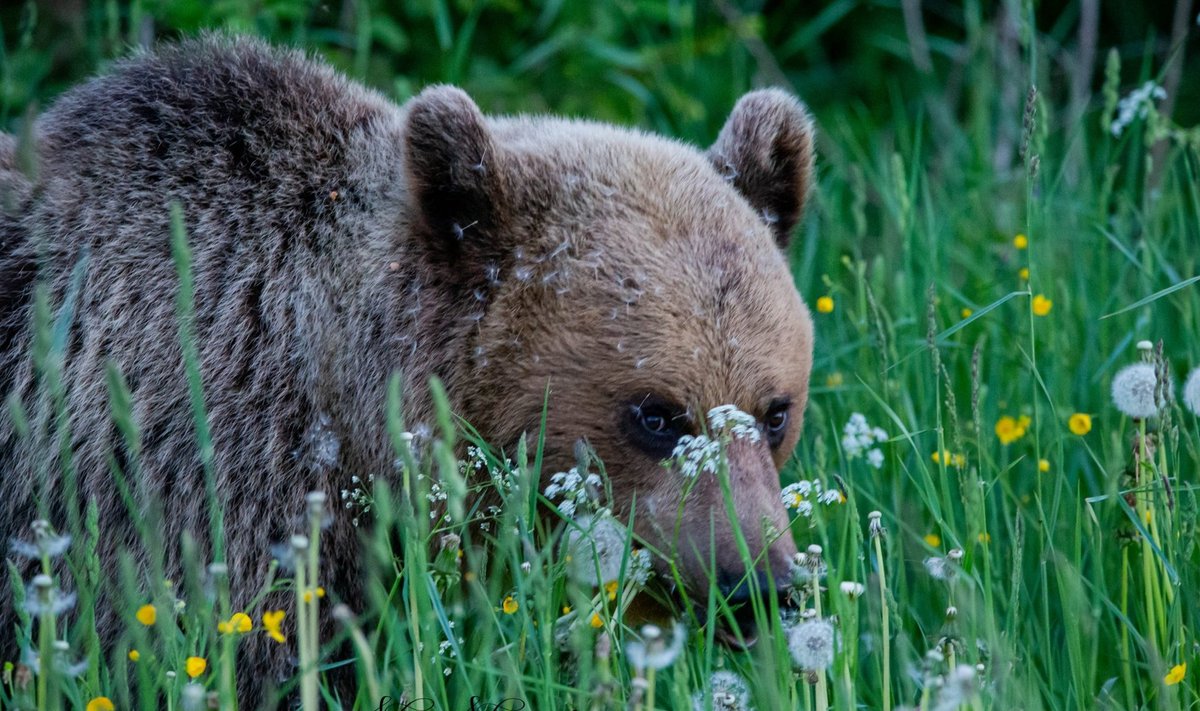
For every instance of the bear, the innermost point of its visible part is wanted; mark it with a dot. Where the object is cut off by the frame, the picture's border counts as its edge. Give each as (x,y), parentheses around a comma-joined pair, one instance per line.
(338,238)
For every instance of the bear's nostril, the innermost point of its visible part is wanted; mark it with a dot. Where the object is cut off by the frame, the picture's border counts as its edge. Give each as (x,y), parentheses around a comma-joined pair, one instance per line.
(737,589)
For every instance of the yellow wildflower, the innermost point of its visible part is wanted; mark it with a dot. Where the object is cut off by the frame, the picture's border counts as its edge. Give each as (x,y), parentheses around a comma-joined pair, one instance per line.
(966,313)
(272,621)
(984,538)
(134,655)
(566,609)
(825,304)
(1080,423)
(596,621)
(611,589)
(1041,305)
(834,379)
(147,615)
(100,703)
(195,666)
(511,605)
(1043,465)
(240,622)
(1010,429)
(933,540)
(1176,674)
(1020,241)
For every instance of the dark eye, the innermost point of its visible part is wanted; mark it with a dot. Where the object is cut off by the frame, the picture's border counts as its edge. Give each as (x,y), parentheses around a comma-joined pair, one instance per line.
(776,422)
(654,425)
(654,421)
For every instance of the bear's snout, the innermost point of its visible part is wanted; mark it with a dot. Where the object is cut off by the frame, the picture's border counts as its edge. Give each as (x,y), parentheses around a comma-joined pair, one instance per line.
(707,546)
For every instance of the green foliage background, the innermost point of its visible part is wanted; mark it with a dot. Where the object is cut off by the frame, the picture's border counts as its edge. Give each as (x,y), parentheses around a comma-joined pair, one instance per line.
(933,155)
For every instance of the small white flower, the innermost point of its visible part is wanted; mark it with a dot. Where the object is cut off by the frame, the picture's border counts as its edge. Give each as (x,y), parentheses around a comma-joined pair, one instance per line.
(1133,390)
(811,645)
(875,458)
(1191,391)
(852,589)
(1136,104)
(830,497)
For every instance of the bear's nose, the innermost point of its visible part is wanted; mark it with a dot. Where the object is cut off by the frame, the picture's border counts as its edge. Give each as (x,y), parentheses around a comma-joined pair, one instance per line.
(737,588)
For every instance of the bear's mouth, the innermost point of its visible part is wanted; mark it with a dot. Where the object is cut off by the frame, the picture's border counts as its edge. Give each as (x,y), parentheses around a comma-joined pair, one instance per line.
(744,636)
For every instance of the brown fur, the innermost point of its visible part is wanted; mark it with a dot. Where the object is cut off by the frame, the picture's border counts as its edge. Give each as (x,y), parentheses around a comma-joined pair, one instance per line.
(337,239)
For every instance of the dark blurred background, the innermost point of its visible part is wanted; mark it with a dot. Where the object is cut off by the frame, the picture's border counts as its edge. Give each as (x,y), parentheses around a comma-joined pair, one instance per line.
(669,65)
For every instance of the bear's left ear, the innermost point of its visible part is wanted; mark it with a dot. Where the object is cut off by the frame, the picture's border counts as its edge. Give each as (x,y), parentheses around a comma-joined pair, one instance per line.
(766,151)
(453,178)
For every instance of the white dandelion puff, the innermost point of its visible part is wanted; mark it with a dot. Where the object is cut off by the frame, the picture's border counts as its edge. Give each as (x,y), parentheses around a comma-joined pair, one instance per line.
(1191,391)
(729,693)
(654,650)
(1133,390)
(596,550)
(939,568)
(959,688)
(811,645)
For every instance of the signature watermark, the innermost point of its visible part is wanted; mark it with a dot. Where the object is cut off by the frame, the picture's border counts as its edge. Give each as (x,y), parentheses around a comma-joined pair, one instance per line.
(389,703)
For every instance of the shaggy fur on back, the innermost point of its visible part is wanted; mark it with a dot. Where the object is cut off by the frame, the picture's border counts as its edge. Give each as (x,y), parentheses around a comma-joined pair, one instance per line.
(336,239)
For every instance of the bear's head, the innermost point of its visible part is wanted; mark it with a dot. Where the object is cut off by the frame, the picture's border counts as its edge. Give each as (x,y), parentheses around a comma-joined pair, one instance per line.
(642,283)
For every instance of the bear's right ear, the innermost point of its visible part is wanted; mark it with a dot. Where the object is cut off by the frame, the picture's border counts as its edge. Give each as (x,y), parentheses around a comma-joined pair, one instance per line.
(449,156)
(766,151)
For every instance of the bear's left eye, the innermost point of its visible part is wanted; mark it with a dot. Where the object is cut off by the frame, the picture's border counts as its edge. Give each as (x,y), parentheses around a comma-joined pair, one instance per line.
(776,422)
(654,425)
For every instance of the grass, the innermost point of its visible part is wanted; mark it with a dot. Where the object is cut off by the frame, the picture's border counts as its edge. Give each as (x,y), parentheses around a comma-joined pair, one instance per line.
(1074,559)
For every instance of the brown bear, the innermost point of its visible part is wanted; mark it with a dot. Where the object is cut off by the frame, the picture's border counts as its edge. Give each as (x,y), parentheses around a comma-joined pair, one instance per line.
(337,239)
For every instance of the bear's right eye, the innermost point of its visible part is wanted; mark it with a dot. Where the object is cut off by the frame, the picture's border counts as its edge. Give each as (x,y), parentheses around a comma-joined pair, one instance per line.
(655,427)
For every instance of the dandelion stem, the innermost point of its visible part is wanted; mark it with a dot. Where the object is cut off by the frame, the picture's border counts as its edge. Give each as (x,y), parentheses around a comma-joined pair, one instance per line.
(886,636)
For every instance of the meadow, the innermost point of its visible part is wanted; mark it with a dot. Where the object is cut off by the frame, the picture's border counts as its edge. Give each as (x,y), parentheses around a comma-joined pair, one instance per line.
(996,511)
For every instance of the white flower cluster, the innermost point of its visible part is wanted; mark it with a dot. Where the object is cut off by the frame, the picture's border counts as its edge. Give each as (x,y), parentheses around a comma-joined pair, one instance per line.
(859,438)
(359,497)
(1136,105)
(738,424)
(702,453)
(575,488)
(801,495)
(502,475)
(696,454)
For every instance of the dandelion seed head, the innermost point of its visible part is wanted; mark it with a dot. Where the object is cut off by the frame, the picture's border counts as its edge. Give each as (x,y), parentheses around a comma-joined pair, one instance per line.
(1133,390)
(729,693)
(595,549)
(811,645)
(654,650)
(1191,391)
